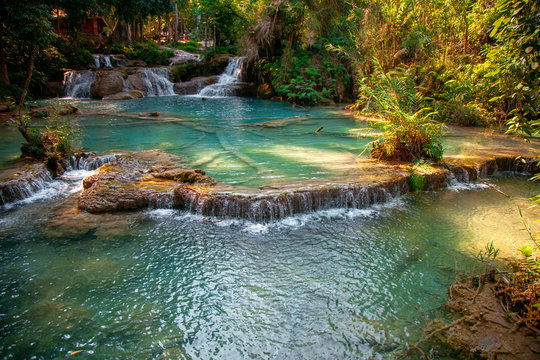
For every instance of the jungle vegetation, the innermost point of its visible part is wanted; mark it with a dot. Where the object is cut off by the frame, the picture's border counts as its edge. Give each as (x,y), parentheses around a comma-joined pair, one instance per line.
(415,63)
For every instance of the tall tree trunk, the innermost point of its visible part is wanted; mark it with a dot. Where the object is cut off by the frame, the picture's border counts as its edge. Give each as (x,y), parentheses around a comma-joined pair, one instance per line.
(168,29)
(175,20)
(29,70)
(4,76)
(466,35)
(205,36)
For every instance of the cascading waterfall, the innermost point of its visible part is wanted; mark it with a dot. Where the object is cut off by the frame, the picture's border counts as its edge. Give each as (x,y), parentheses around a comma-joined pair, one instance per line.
(100,60)
(39,178)
(106,60)
(157,81)
(77,84)
(23,187)
(232,75)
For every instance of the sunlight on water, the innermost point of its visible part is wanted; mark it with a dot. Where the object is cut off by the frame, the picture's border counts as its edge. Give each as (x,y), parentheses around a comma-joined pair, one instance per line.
(339,283)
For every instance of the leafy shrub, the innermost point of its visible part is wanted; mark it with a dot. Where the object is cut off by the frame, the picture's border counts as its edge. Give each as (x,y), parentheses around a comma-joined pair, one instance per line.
(191,46)
(9,91)
(80,59)
(416,180)
(306,77)
(148,52)
(410,132)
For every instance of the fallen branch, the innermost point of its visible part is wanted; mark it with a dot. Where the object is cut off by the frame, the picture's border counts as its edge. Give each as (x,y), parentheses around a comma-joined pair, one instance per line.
(493,187)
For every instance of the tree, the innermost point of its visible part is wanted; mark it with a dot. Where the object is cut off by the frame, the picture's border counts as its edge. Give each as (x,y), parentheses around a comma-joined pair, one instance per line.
(515,59)
(28,25)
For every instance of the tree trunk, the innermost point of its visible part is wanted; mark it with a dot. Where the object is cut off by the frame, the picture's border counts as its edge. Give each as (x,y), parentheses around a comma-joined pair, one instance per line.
(175,20)
(4,75)
(466,35)
(28,76)
(168,29)
(205,36)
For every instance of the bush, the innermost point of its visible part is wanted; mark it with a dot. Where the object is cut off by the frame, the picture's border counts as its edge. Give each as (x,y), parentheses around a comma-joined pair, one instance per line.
(410,132)
(148,52)
(306,77)
(191,46)
(81,59)
(9,92)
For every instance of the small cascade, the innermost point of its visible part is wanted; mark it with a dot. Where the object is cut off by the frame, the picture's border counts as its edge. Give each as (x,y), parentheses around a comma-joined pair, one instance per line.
(232,75)
(161,200)
(38,178)
(102,61)
(93,162)
(262,208)
(106,61)
(157,81)
(77,84)
(25,184)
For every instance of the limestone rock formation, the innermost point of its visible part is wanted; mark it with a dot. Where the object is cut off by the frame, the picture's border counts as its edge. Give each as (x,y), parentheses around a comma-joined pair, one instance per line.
(195,85)
(135,181)
(124,95)
(107,83)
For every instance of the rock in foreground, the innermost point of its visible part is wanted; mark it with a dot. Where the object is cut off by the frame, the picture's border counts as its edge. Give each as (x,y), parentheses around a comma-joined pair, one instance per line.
(137,180)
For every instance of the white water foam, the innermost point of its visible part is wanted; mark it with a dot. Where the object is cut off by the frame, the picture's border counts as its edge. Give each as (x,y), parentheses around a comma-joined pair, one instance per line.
(231,75)
(288,223)
(69,183)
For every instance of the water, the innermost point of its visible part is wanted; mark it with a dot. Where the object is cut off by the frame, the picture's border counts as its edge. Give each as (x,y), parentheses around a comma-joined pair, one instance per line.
(219,136)
(77,84)
(102,61)
(163,283)
(167,284)
(156,81)
(231,75)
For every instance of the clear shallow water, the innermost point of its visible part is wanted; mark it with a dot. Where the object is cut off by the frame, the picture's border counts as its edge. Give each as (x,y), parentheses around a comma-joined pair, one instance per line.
(166,284)
(239,141)
(216,135)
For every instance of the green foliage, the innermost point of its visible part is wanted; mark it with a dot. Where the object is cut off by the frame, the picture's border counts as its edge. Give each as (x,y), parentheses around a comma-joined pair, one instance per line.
(9,92)
(149,52)
(526,250)
(79,59)
(306,77)
(51,144)
(410,133)
(515,63)
(417,181)
(489,254)
(189,46)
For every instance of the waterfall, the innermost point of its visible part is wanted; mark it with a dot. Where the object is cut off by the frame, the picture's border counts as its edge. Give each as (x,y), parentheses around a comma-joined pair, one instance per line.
(157,81)
(23,186)
(77,84)
(37,178)
(104,60)
(232,75)
(94,162)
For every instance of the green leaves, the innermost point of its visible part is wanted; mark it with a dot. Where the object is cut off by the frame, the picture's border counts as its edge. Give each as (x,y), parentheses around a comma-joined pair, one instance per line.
(526,250)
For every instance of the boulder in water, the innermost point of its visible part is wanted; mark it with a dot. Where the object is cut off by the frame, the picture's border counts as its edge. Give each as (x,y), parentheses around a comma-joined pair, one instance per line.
(135,181)
(124,95)
(135,63)
(135,82)
(194,85)
(107,83)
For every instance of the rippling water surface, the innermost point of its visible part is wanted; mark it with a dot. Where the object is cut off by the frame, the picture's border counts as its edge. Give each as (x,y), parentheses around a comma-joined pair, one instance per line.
(167,284)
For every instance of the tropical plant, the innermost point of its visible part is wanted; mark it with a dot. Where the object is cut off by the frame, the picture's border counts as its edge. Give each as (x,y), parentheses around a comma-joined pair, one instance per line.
(409,130)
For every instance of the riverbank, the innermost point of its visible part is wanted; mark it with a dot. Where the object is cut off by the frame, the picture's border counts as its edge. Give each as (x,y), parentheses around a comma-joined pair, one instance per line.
(482,324)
